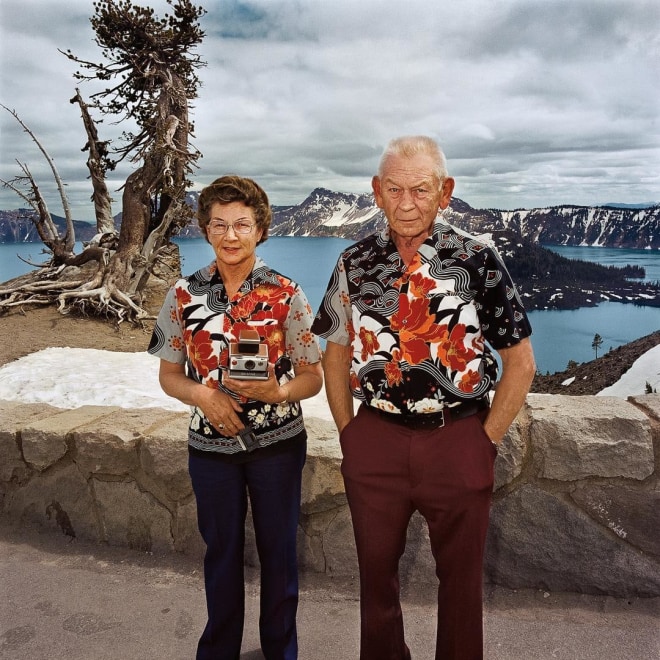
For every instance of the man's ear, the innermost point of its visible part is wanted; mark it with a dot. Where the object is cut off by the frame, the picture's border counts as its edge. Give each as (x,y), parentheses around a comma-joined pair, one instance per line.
(375,186)
(446,191)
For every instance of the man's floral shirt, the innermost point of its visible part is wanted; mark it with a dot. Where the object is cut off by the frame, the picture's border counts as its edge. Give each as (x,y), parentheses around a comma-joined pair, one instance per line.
(198,321)
(419,333)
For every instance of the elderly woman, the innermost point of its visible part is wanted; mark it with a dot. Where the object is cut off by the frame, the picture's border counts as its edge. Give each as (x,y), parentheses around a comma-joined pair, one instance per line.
(234,343)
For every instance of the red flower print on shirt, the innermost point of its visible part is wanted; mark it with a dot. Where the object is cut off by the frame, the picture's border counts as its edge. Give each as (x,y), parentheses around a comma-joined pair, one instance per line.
(176,343)
(416,327)
(183,298)
(369,343)
(271,295)
(469,381)
(306,338)
(243,307)
(452,351)
(213,384)
(393,369)
(420,286)
(200,353)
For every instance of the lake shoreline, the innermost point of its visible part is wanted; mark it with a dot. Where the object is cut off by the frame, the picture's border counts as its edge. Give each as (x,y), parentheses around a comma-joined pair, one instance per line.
(563,326)
(44,327)
(592,377)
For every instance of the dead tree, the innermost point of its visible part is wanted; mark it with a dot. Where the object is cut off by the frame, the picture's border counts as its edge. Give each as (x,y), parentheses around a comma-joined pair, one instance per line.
(25,186)
(98,164)
(154,71)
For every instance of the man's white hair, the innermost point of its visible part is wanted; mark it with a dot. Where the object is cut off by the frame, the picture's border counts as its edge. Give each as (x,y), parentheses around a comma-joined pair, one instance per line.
(411,145)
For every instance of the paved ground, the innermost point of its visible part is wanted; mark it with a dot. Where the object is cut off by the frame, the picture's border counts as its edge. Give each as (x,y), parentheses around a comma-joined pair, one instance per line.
(62,598)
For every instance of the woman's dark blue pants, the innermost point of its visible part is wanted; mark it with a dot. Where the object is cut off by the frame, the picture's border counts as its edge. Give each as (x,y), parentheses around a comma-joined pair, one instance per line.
(221,490)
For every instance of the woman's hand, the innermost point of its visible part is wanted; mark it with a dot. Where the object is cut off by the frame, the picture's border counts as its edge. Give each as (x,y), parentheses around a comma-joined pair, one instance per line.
(307,382)
(222,411)
(268,391)
(218,407)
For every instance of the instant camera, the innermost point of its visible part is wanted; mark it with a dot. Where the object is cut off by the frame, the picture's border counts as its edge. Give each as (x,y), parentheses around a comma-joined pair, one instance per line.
(248,357)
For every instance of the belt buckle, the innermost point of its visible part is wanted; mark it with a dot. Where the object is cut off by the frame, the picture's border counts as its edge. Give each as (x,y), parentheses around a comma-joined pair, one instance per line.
(434,420)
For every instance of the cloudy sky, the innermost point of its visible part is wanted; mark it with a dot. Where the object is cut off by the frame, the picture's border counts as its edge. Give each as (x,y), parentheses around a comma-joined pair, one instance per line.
(535,102)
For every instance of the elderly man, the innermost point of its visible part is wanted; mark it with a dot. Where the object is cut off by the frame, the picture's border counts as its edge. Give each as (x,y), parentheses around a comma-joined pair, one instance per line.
(406,316)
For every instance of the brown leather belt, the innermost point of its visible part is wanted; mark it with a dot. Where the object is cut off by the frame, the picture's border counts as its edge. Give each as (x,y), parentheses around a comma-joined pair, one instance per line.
(433,420)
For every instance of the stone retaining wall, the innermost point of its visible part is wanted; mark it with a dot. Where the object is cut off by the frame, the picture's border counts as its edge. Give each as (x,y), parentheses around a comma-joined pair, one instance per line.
(575,509)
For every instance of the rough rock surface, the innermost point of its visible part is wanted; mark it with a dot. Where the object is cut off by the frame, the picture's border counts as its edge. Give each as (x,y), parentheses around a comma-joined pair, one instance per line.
(575,497)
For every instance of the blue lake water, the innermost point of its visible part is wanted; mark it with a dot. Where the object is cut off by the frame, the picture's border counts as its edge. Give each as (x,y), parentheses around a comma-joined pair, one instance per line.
(559,336)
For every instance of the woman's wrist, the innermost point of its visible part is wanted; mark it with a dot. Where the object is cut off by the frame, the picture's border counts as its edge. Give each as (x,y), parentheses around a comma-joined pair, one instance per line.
(284,394)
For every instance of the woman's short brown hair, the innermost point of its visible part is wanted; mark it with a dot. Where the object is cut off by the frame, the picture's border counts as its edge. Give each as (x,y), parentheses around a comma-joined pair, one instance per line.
(232,188)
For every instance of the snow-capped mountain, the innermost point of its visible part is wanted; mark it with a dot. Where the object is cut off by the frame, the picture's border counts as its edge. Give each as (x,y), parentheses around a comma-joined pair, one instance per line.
(353,216)
(327,213)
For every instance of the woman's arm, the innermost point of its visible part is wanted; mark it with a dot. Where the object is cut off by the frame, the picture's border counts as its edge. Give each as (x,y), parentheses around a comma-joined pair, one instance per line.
(307,383)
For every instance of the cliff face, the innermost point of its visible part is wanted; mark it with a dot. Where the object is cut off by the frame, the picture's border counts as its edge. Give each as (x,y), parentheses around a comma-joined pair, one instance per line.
(352,216)
(581,225)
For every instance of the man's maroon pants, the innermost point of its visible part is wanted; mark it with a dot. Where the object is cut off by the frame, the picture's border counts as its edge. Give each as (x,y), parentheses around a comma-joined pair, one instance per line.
(391,471)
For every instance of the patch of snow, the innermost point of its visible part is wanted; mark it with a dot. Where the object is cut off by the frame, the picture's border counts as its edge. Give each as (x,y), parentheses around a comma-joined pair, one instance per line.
(74,377)
(645,369)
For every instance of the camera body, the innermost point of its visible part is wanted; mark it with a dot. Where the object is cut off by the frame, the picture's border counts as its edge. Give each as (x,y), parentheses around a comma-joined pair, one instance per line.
(248,357)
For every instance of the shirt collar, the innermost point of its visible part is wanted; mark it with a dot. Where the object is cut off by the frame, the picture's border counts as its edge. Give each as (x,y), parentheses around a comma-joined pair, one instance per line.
(427,248)
(261,274)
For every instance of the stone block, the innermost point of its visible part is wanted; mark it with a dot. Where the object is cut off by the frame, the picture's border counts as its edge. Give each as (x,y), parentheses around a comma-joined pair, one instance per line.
(322,485)
(45,441)
(629,512)
(164,456)
(585,436)
(59,499)
(13,416)
(187,538)
(339,545)
(417,563)
(323,430)
(539,541)
(130,517)
(650,402)
(109,444)
(310,548)
(511,453)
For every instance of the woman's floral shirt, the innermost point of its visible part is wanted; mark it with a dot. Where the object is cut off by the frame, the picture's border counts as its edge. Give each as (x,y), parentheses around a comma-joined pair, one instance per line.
(198,321)
(419,333)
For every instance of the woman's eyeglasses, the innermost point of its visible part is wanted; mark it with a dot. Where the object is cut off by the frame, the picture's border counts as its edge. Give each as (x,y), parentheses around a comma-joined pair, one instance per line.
(239,227)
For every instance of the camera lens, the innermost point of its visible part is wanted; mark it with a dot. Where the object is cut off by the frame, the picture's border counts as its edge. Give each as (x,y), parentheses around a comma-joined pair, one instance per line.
(249,364)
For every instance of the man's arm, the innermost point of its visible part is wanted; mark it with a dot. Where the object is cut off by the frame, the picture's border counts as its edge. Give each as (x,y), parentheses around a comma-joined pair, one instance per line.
(336,367)
(518,369)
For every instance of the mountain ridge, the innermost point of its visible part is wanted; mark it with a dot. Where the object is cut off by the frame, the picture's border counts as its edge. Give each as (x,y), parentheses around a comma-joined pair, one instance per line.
(354,216)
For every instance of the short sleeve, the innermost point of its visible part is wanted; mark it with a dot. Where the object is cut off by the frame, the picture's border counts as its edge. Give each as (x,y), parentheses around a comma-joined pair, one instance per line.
(167,338)
(504,321)
(302,345)
(333,318)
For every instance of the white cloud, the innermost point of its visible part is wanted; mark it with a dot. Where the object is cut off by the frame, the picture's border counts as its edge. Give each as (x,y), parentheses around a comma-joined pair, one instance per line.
(535,102)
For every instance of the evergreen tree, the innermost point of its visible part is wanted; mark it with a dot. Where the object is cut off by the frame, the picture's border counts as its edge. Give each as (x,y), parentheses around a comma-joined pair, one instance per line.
(597,343)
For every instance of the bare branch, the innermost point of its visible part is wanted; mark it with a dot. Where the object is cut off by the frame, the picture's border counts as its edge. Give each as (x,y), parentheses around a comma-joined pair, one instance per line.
(97,164)
(70,237)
